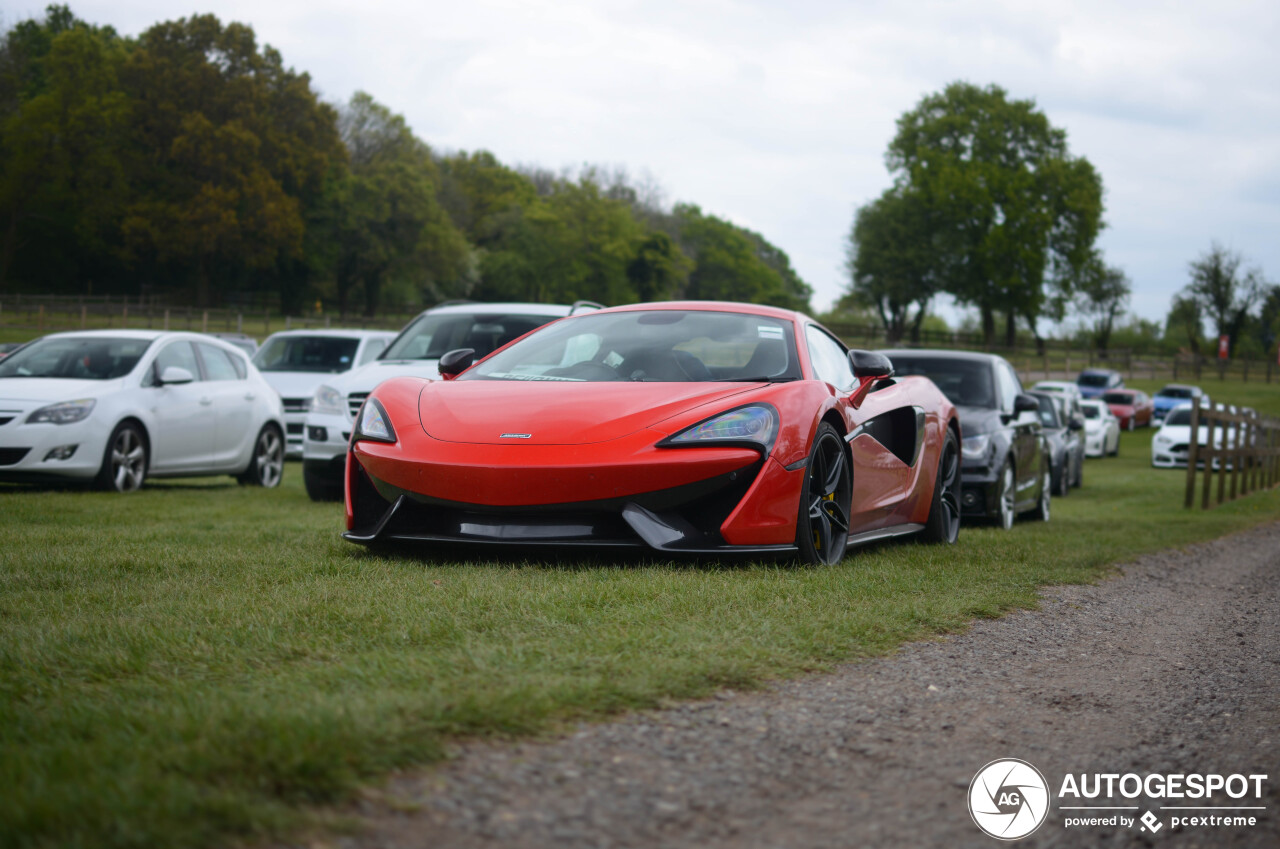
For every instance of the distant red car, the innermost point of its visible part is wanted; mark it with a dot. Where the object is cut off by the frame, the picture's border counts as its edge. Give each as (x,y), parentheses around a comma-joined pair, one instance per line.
(694,427)
(1133,408)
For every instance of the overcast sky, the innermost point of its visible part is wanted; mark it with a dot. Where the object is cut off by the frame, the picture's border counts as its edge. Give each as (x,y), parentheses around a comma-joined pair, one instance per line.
(776,115)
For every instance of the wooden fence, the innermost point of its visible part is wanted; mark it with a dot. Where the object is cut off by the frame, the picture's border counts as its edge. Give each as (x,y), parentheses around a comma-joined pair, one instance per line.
(1241,449)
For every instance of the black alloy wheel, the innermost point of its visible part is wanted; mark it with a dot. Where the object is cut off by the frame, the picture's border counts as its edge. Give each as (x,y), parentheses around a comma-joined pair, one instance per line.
(822,527)
(943,524)
(1041,510)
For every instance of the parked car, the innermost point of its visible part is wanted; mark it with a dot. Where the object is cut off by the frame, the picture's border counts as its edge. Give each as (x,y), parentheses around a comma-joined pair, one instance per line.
(1131,407)
(1094,381)
(118,406)
(1171,445)
(1175,395)
(1005,465)
(1101,429)
(7,348)
(243,341)
(1065,439)
(295,362)
(416,352)
(683,428)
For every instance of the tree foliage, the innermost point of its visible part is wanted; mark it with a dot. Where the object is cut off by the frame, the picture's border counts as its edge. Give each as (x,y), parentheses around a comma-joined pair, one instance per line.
(1224,290)
(192,164)
(1101,295)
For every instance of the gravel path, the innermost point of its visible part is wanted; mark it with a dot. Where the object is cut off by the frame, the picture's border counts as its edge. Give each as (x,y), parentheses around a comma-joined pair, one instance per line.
(1173,667)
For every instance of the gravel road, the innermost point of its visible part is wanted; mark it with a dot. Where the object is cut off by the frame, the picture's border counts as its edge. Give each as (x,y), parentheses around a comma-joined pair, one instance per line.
(1172,667)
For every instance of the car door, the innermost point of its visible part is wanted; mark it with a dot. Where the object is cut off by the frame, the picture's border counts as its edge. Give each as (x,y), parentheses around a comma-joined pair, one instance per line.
(1025,432)
(233,399)
(882,478)
(181,434)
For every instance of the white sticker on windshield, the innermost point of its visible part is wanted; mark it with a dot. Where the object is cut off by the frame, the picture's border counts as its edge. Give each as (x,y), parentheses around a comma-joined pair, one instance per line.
(769,331)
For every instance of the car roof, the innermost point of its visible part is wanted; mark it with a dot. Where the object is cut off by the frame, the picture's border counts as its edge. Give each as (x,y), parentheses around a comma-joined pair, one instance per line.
(714,306)
(338,332)
(499,308)
(1098,371)
(937,354)
(1177,386)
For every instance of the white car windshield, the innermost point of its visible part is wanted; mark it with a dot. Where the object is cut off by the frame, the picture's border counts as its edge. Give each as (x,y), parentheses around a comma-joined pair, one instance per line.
(328,354)
(433,335)
(76,358)
(670,346)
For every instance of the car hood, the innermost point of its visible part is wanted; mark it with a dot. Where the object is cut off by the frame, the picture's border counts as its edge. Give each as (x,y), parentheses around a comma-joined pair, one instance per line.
(366,377)
(54,389)
(555,413)
(975,421)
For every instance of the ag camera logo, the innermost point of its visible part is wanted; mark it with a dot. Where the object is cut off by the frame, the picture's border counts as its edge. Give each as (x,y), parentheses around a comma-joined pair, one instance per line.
(1008,799)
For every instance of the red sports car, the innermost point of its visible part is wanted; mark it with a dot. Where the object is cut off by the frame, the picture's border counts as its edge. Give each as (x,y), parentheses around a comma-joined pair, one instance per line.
(697,427)
(1134,409)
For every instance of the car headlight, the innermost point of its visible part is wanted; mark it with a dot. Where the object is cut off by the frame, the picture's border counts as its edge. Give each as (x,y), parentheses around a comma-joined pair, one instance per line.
(975,447)
(68,412)
(1161,439)
(755,426)
(328,400)
(373,423)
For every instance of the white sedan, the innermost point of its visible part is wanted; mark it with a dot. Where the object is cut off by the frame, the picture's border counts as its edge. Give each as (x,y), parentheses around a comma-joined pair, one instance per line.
(113,407)
(1101,429)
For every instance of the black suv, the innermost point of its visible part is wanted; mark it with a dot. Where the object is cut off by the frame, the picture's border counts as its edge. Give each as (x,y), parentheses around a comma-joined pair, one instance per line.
(1004,462)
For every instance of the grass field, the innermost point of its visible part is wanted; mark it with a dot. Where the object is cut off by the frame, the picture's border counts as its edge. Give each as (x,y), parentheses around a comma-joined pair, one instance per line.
(201,662)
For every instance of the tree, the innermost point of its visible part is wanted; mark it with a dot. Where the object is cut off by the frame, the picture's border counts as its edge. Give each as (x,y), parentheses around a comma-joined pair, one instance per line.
(1185,323)
(735,264)
(1015,212)
(892,263)
(1102,293)
(1224,292)
(390,222)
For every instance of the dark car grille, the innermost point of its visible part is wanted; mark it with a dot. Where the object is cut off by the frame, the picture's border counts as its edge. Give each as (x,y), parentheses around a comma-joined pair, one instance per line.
(4,420)
(1181,446)
(9,456)
(293,429)
(354,400)
(296,405)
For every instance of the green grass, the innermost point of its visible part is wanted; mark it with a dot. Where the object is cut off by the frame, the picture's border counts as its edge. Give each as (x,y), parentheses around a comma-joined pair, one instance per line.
(202,662)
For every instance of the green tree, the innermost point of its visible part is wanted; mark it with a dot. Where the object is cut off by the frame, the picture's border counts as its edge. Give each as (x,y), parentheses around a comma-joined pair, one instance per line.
(735,264)
(1017,214)
(229,147)
(1101,296)
(389,222)
(1184,325)
(892,263)
(1224,291)
(62,123)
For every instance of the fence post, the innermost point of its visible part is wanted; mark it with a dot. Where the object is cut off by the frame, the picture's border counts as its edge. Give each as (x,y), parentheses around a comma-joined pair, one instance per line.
(204,322)
(124,316)
(40,325)
(166,318)
(1192,451)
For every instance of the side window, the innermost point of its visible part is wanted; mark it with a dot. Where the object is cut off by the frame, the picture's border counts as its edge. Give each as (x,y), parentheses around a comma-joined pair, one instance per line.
(830,362)
(178,354)
(1009,384)
(218,363)
(372,348)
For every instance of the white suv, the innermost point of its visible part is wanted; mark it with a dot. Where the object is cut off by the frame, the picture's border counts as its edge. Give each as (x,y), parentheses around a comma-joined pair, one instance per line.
(295,362)
(416,351)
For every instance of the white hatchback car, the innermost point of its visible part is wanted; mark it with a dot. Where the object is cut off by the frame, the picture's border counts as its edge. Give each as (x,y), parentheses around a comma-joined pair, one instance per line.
(116,406)
(1101,429)
(295,362)
(416,351)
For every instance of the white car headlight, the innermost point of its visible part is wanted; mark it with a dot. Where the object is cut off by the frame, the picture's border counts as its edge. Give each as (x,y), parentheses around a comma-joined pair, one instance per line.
(329,401)
(975,447)
(1161,439)
(68,412)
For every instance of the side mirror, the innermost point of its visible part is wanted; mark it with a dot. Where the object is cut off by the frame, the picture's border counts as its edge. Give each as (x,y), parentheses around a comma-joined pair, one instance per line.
(1076,423)
(868,364)
(175,375)
(456,362)
(1024,403)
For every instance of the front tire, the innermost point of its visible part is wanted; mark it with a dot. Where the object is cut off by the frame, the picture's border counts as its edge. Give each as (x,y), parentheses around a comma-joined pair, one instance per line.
(320,488)
(1006,497)
(266,467)
(822,526)
(1042,508)
(943,524)
(124,462)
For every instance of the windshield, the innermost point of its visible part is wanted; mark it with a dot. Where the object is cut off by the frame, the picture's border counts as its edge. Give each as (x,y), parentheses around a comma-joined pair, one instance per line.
(1175,392)
(1093,380)
(433,335)
(76,357)
(328,354)
(966,383)
(1180,416)
(1118,397)
(1091,412)
(671,346)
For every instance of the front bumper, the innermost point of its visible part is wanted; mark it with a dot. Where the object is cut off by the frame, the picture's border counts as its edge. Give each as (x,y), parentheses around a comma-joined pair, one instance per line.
(683,500)
(325,438)
(47,452)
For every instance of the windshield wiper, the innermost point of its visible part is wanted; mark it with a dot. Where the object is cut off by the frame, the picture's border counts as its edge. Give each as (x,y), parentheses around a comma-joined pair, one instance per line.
(760,379)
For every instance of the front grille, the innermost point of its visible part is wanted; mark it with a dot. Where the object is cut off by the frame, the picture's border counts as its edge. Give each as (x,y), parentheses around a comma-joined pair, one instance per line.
(354,400)
(294,429)
(1180,447)
(9,456)
(296,405)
